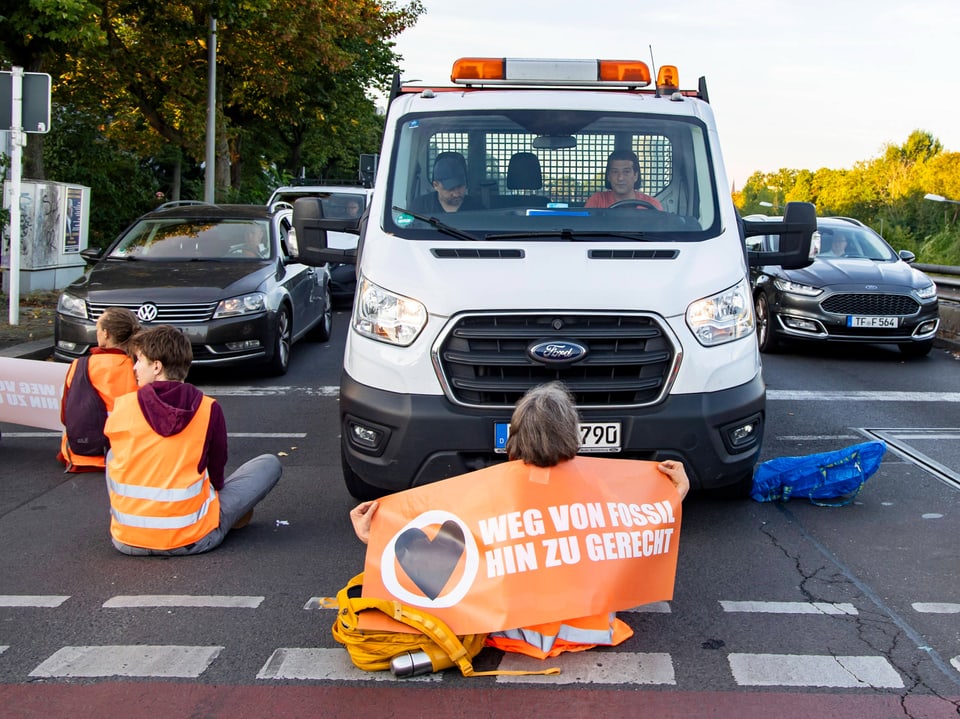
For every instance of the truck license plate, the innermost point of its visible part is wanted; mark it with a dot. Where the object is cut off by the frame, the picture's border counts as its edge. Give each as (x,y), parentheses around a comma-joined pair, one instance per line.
(879,322)
(594,436)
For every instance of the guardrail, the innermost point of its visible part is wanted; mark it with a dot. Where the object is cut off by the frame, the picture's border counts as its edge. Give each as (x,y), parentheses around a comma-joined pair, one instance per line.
(947,279)
(948,290)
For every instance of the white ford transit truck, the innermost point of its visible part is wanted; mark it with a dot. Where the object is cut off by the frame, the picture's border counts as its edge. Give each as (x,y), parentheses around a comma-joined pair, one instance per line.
(500,251)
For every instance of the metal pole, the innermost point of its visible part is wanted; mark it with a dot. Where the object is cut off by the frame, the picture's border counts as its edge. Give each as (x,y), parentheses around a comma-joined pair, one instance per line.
(209,172)
(18,139)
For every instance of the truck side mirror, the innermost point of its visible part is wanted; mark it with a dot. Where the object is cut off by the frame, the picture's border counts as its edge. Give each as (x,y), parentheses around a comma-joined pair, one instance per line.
(796,231)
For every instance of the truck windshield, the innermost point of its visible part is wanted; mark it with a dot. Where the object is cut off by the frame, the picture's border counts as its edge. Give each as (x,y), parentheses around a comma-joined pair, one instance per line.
(575,175)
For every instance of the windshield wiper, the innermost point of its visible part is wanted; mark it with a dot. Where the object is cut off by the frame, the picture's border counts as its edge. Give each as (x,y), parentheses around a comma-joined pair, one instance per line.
(569,235)
(437,224)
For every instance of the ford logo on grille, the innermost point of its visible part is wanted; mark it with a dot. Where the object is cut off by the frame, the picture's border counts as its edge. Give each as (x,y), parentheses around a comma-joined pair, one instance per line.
(557,352)
(147,312)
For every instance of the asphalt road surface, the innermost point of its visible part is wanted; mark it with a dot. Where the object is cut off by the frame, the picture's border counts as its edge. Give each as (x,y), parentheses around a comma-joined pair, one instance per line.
(779,609)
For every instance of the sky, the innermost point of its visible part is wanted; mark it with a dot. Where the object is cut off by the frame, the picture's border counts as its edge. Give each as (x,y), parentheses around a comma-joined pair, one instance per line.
(799,85)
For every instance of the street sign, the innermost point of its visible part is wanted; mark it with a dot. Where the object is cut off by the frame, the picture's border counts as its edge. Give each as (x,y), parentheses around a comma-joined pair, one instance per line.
(36,101)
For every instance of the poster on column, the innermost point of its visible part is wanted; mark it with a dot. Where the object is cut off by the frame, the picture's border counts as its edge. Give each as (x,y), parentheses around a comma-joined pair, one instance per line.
(30,392)
(513,545)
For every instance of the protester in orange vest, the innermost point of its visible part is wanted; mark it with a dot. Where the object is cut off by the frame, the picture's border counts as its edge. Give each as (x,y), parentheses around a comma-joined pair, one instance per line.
(110,371)
(544,432)
(168,450)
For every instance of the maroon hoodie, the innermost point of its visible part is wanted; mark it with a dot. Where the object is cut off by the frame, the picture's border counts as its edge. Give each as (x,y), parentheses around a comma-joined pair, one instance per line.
(168,408)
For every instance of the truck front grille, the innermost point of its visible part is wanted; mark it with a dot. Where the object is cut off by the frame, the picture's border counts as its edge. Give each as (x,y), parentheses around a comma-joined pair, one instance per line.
(484,359)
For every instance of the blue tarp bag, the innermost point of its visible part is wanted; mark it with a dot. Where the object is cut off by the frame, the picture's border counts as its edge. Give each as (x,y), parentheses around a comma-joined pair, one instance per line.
(828,479)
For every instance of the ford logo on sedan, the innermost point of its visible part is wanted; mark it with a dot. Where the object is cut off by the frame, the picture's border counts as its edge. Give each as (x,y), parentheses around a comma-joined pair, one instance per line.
(557,352)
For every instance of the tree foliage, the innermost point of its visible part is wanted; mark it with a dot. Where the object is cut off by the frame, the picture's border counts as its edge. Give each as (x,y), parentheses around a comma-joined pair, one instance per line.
(294,78)
(886,192)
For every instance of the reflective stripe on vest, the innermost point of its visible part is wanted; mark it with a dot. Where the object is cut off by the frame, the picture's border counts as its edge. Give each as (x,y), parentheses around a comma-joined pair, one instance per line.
(185,520)
(565,632)
(158,497)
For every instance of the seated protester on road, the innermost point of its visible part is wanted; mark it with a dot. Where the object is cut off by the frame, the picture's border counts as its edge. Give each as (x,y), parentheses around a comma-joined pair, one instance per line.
(110,372)
(622,180)
(450,188)
(544,432)
(168,450)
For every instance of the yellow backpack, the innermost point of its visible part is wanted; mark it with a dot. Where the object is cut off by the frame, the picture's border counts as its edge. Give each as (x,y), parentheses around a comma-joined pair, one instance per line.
(376,650)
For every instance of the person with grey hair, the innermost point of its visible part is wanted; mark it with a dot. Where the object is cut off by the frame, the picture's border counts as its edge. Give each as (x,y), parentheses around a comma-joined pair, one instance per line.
(544,432)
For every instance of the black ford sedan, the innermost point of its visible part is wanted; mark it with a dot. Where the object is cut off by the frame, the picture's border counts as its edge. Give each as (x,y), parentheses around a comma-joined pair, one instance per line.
(222,274)
(856,290)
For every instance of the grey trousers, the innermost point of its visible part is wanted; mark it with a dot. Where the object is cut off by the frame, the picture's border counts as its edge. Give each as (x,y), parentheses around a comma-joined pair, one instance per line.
(241,491)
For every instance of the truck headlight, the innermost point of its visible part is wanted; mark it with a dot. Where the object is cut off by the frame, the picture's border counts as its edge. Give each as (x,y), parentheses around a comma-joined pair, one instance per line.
(723,317)
(72,306)
(382,315)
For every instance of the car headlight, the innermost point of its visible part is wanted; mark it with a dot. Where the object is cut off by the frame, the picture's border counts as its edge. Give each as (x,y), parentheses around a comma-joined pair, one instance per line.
(796,288)
(72,306)
(723,317)
(382,315)
(926,293)
(242,305)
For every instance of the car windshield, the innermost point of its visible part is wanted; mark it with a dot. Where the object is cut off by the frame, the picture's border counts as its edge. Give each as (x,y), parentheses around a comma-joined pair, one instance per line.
(853,242)
(179,239)
(551,174)
(340,205)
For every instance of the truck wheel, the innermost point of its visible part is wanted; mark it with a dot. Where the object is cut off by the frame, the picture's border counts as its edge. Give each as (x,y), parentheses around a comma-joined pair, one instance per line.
(357,487)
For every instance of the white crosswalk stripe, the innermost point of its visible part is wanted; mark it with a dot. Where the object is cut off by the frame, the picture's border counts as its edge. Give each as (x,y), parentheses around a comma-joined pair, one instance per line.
(181,600)
(180,662)
(317,664)
(32,600)
(794,670)
(592,668)
(788,607)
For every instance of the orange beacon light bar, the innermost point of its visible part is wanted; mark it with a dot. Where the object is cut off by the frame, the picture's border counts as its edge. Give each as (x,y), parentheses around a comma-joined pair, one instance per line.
(514,71)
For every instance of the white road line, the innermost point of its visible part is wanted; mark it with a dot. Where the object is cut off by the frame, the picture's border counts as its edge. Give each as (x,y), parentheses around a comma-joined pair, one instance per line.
(315,602)
(800,395)
(794,670)
(328,391)
(319,664)
(4,647)
(127,601)
(936,607)
(789,607)
(652,608)
(241,435)
(956,662)
(128,661)
(816,437)
(592,668)
(32,600)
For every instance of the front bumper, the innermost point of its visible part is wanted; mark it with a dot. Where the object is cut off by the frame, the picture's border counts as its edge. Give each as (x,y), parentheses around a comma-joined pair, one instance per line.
(424,439)
(73,337)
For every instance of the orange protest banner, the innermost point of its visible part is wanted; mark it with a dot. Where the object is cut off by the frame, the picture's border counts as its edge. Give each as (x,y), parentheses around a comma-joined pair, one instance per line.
(30,392)
(514,545)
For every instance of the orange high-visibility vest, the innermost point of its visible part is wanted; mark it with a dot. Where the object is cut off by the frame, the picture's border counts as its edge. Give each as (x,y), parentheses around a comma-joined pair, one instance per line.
(573,635)
(158,499)
(111,374)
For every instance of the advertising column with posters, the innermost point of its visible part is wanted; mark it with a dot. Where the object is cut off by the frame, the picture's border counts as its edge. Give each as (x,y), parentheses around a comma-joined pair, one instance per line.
(513,545)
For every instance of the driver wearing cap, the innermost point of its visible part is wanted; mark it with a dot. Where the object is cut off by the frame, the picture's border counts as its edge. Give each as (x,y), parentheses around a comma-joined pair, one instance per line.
(450,188)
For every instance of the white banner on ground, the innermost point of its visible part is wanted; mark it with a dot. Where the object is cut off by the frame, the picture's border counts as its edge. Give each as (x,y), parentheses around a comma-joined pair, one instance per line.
(30,392)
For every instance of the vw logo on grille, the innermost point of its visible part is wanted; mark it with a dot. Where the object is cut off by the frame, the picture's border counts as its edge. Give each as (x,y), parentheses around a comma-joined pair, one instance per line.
(557,352)
(147,312)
